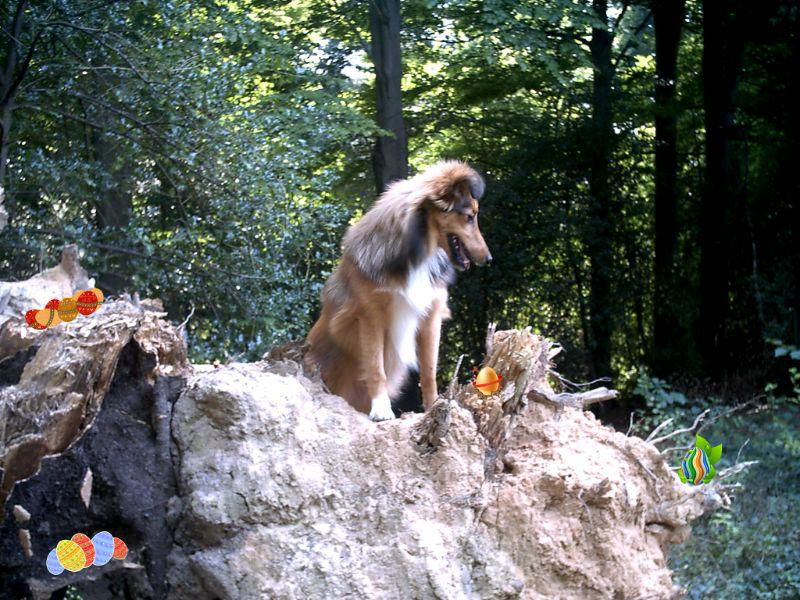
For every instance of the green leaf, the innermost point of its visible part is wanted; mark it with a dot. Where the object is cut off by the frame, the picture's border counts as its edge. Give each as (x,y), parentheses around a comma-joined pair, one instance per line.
(703,444)
(715,454)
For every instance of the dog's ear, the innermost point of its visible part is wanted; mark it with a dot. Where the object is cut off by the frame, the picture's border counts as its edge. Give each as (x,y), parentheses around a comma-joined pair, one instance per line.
(476,186)
(453,186)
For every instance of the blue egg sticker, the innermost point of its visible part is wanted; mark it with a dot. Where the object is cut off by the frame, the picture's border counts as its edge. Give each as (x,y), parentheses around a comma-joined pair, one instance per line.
(53,564)
(103,548)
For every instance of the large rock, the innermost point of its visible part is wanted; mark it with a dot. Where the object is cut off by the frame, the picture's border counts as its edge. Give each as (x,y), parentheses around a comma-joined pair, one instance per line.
(288,493)
(250,481)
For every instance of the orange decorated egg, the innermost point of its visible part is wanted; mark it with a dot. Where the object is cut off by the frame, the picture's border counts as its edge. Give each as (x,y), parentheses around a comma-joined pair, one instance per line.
(68,309)
(487,381)
(86,545)
(48,317)
(30,319)
(87,303)
(120,549)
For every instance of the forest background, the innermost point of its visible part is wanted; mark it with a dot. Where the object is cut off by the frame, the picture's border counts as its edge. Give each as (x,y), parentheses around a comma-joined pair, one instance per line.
(642,205)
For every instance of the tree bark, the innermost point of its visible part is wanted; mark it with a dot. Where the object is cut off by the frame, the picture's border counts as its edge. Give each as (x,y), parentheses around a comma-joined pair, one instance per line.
(668,20)
(599,234)
(390,154)
(9,82)
(3,212)
(114,205)
(794,134)
(722,55)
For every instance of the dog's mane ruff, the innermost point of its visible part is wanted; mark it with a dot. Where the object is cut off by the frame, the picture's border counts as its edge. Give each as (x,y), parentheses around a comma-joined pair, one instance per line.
(392,237)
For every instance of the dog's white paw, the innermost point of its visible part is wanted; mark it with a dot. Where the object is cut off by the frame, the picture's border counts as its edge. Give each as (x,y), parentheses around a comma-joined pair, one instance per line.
(381,408)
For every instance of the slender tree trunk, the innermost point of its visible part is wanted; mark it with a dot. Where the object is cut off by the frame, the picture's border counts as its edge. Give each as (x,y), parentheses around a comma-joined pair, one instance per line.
(3,212)
(599,234)
(390,154)
(793,128)
(578,281)
(114,205)
(668,19)
(722,55)
(6,117)
(9,82)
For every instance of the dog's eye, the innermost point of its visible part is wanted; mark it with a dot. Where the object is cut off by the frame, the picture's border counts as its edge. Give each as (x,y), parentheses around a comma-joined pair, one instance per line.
(470,219)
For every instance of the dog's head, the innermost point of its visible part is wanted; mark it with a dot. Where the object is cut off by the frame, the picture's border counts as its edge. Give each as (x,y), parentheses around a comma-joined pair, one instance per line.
(454,198)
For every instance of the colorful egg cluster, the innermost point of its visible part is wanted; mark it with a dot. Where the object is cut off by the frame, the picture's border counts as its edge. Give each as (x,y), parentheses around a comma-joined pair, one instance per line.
(81,552)
(84,302)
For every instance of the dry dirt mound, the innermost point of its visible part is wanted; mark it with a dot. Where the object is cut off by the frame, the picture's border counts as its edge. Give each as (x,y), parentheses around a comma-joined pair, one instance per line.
(250,481)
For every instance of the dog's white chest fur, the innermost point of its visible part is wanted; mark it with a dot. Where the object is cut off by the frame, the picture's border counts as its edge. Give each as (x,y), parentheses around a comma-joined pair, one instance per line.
(409,306)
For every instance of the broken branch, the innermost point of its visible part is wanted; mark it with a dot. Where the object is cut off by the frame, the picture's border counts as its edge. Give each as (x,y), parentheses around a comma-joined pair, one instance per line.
(697,420)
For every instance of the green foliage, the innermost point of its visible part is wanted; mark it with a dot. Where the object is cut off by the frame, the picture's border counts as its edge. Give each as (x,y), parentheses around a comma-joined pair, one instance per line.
(751,550)
(196,163)
(72,593)
(787,389)
(211,153)
(661,402)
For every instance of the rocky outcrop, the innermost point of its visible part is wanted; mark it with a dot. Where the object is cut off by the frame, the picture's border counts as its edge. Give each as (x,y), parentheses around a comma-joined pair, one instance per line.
(251,481)
(84,438)
(288,493)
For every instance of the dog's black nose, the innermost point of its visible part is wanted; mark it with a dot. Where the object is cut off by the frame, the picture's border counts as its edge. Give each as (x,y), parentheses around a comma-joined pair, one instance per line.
(488,259)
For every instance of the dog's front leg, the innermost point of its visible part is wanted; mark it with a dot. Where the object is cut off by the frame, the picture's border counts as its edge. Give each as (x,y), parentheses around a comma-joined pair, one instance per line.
(373,372)
(428,350)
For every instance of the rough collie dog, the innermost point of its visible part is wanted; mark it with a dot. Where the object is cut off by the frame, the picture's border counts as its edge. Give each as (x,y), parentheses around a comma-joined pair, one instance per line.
(383,306)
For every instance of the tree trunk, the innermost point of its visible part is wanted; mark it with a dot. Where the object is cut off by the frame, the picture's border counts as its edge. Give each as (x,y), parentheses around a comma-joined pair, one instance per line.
(6,115)
(668,19)
(3,212)
(115,204)
(722,55)
(793,129)
(599,233)
(390,154)
(9,82)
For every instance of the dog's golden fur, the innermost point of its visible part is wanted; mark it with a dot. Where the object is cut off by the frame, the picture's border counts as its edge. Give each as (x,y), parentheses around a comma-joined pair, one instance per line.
(383,306)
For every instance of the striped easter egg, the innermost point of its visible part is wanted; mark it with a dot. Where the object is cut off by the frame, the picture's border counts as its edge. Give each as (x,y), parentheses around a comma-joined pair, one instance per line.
(52,563)
(48,317)
(68,309)
(87,303)
(30,317)
(70,555)
(695,466)
(86,545)
(103,547)
(120,549)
